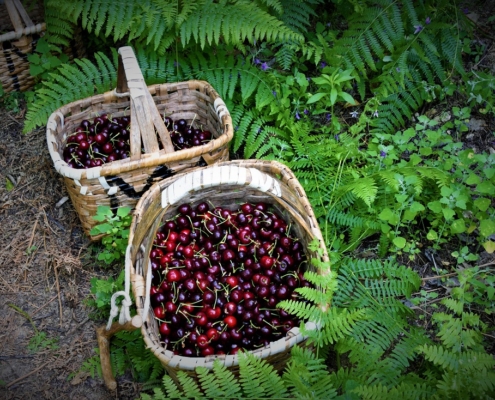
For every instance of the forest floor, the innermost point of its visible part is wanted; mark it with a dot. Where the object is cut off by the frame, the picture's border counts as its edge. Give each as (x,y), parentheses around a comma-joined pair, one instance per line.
(45,269)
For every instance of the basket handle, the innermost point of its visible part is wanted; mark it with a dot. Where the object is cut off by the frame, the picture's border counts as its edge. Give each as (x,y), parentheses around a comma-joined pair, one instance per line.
(144,114)
(16,12)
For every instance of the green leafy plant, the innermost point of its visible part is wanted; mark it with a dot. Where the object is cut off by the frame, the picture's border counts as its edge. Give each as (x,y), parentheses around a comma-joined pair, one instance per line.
(115,228)
(40,341)
(12,101)
(45,58)
(127,349)
(330,88)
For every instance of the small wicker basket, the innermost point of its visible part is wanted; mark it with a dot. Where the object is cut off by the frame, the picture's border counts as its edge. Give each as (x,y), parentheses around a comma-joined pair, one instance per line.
(20,29)
(122,182)
(225,184)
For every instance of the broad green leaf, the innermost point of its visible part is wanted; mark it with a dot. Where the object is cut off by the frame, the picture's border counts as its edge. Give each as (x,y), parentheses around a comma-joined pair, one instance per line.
(385,228)
(425,151)
(409,215)
(314,98)
(401,198)
(432,235)
(461,203)
(400,242)
(489,246)
(489,172)
(487,227)
(486,187)
(482,203)
(8,185)
(347,97)
(34,58)
(415,159)
(42,46)
(473,179)
(446,191)
(35,70)
(458,226)
(344,76)
(417,207)
(435,206)
(321,81)
(333,96)
(123,211)
(448,213)
(386,214)
(102,228)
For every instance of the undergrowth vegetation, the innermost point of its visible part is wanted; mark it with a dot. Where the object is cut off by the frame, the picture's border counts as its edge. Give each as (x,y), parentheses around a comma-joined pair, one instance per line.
(336,91)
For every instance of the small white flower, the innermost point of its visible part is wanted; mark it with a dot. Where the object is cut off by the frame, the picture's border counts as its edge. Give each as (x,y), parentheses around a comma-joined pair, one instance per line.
(375,114)
(354,114)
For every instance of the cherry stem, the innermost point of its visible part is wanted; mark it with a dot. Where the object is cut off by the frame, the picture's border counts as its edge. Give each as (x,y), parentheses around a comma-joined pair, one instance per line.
(190,125)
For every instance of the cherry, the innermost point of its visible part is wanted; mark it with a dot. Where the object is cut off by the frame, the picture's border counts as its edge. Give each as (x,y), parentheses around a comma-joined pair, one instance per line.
(213,313)
(202,208)
(165,329)
(202,341)
(201,319)
(230,308)
(159,312)
(220,279)
(267,261)
(208,351)
(173,275)
(170,307)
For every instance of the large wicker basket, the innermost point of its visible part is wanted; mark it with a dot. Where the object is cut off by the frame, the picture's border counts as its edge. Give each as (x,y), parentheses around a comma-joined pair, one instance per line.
(20,29)
(122,182)
(226,184)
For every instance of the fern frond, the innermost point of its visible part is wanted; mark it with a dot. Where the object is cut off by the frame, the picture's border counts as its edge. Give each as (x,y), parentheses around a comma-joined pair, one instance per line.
(307,377)
(67,84)
(259,379)
(188,385)
(172,390)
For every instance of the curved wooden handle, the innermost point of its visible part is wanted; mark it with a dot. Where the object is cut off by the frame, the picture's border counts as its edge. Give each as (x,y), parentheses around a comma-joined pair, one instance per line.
(144,114)
(103,337)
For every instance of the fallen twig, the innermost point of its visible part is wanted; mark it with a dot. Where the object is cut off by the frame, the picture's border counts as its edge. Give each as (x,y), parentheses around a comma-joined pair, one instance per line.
(438,276)
(58,293)
(77,326)
(28,374)
(44,305)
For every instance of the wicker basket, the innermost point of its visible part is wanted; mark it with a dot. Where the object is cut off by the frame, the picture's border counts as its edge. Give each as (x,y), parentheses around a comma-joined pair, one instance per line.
(226,184)
(122,182)
(20,29)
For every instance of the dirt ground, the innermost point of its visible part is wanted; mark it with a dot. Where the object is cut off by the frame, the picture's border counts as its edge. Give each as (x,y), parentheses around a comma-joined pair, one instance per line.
(44,277)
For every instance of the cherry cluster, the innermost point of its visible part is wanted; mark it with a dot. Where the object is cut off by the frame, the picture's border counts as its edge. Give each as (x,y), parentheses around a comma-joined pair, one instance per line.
(106,139)
(218,276)
(184,136)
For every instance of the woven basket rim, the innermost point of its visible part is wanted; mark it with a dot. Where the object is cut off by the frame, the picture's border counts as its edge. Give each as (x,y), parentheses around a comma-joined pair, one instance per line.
(127,165)
(167,356)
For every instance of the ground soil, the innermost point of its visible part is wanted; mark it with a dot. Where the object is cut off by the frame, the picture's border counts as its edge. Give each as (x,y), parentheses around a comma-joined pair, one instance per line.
(45,276)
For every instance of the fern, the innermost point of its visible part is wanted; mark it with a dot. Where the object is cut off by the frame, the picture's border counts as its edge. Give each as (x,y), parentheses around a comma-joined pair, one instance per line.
(404,67)
(257,379)
(307,377)
(68,84)
(158,24)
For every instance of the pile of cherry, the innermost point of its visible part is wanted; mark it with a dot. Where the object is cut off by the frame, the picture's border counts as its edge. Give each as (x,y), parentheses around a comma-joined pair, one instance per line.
(106,139)
(218,276)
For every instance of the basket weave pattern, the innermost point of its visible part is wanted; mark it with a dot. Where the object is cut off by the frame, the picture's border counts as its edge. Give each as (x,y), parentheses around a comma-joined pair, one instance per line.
(20,29)
(225,184)
(122,182)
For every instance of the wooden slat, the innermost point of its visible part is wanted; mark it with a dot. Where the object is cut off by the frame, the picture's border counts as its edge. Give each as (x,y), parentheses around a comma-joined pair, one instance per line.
(23,14)
(14,15)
